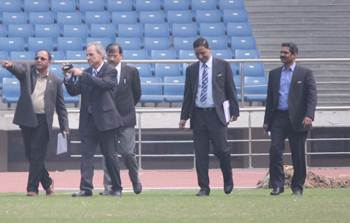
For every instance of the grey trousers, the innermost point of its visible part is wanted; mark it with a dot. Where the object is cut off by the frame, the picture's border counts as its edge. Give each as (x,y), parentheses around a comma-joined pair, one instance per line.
(125,147)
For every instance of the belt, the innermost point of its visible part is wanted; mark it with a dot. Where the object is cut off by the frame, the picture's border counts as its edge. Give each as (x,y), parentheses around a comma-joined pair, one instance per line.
(206,109)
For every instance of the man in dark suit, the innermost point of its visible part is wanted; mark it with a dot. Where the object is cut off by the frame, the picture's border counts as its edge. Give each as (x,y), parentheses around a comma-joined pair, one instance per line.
(99,117)
(41,95)
(290,109)
(127,95)
(210,102)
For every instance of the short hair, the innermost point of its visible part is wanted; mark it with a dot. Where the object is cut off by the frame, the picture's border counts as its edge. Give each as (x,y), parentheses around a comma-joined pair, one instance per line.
(200,42)
(293,48)
(48,53)
(99,48)
(113,45)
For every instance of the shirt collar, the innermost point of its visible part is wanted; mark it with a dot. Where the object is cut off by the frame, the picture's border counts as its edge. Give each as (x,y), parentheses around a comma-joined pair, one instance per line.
(292,67)
(118,67)
(208,63)
(99,68)
(42,75)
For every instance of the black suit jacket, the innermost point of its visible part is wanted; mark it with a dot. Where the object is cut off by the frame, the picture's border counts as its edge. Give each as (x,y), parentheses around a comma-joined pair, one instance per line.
(127,94)
(302,98)
(223,89)
(96,93)
(53,99)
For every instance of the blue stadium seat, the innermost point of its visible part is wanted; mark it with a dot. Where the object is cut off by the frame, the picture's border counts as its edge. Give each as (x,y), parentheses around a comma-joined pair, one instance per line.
(11,6)
(243,42)
(203,16)
(20,30)
(212,29)
(102,30)
(47,30)
(152,89)
(37,43)
(3,31)
(238,84)
(179,17)
(56,69)
(135,54)
(184,30)
(152,16)
(57,55)
(127,17)
(75,55)
(80,30)
(130,43)
(12,44)
(239,29)
(247,54)
(231,4)
(4,73)
(22,55)
(156,43)
(130,30)
(163,54)
(10,91)
(217,42)
(4,55)
(104,41)
(174,88)
(204,4)
(255,89)
(91,5)
(41,18)
(100,17)
(235,15)
(69,43)
(63,6)
(183,43)
(14,18)
(157,30)
(176,5)
(161,70)
(145,70)
(117,6)
(147,5)
(223,54)
(186,54)
(253,69)
(69,18)
(36,6)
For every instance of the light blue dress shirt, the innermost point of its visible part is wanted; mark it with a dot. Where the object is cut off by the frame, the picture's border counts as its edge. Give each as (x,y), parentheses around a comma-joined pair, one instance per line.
(286,79)
(209,102)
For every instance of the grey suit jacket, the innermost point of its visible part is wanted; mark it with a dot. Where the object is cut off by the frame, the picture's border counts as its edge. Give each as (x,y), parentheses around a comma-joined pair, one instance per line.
(127,94)
(96,93)
(223,89)
(302,98)
(24,114)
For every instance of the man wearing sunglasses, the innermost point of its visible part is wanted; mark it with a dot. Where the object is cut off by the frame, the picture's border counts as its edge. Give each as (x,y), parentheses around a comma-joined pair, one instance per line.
(41,95)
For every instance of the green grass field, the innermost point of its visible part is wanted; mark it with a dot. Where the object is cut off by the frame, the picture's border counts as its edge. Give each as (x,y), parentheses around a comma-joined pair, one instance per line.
(317,205)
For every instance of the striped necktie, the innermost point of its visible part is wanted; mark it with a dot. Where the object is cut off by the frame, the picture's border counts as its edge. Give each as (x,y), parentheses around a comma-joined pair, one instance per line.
(94,72)
(204,85)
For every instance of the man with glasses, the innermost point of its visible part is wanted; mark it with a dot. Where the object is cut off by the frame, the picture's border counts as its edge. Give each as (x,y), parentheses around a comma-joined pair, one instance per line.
(41,95)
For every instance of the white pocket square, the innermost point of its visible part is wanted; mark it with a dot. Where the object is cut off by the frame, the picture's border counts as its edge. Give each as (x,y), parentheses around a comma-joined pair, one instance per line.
(220,74)
(299,82)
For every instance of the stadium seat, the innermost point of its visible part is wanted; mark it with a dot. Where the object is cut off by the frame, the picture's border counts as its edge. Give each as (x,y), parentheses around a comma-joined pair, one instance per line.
(217,42)
(135,55)
(176,5)
(203,4)
(237,82)
(184,30)
(247,54)
(104,41)
(152,90)
(3,31)
(80,30)
(101,17)
(57,55)
(212,29)
(130,43)
(47,30)
(69,18)
(36,6)
(10,91)
(145,70)
(75,55)
(4,73)
(127,17)
(253,69)
(12,44)
(37,43)
(231,4)
(174,88)
(255,89)
(91,5)
(22,55)
(179,17)
(147,5)
(11,5)
(69,43)
(4,55)
(162,70)
(152,16)
(184,43)
(239,29)
(103,30)
(203,16)
(41,18)
(243,42)
(14,18)
(117,6)
(130,30)
(186,54)
(63,6)
(56,69)
(157,30)
(163,54)
(223,54)
(235,15)
(156,43)
(20,30)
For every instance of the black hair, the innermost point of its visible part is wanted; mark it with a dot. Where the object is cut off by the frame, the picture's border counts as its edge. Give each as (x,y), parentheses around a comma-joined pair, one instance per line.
(112,45)
(200,42)
(48,53)
(293,48)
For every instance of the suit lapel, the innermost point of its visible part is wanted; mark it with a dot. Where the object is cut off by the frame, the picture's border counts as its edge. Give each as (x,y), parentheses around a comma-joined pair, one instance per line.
(294,78)
(195,78)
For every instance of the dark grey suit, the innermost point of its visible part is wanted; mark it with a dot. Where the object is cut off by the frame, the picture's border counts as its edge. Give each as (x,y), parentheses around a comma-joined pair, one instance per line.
(98,121)
(302,100)
(210,125)
(36,128)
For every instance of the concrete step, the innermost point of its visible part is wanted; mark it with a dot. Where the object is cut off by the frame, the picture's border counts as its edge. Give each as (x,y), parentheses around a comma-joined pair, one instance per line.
(267,19)
(287,10)
(304,40)
(308,47)
(302,33)
(308,54)
(249,3)
(304,27)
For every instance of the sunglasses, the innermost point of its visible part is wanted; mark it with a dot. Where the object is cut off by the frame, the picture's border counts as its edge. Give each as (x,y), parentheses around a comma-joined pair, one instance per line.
(40,58)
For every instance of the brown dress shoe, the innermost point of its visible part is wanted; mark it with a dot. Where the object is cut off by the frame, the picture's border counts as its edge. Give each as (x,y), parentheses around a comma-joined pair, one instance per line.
(32,193)
(50,191)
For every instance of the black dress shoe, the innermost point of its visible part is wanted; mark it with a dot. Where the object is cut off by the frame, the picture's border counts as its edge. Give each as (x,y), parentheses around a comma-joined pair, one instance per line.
(82,193)
(277,191)
(105,193)
(228,189)
(137,188)
(298,193)
(203,192)
(117,193)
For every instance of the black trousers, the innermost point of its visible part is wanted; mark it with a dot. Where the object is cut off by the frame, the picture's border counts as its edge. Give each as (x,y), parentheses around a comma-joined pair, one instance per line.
(281,129)
(207,129)
(35,143)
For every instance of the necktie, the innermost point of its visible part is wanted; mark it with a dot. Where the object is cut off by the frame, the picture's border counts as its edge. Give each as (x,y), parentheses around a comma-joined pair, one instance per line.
(94,72)
(204,85)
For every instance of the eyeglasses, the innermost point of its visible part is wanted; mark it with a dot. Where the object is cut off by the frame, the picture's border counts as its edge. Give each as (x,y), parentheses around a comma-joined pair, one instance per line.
(40,58)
